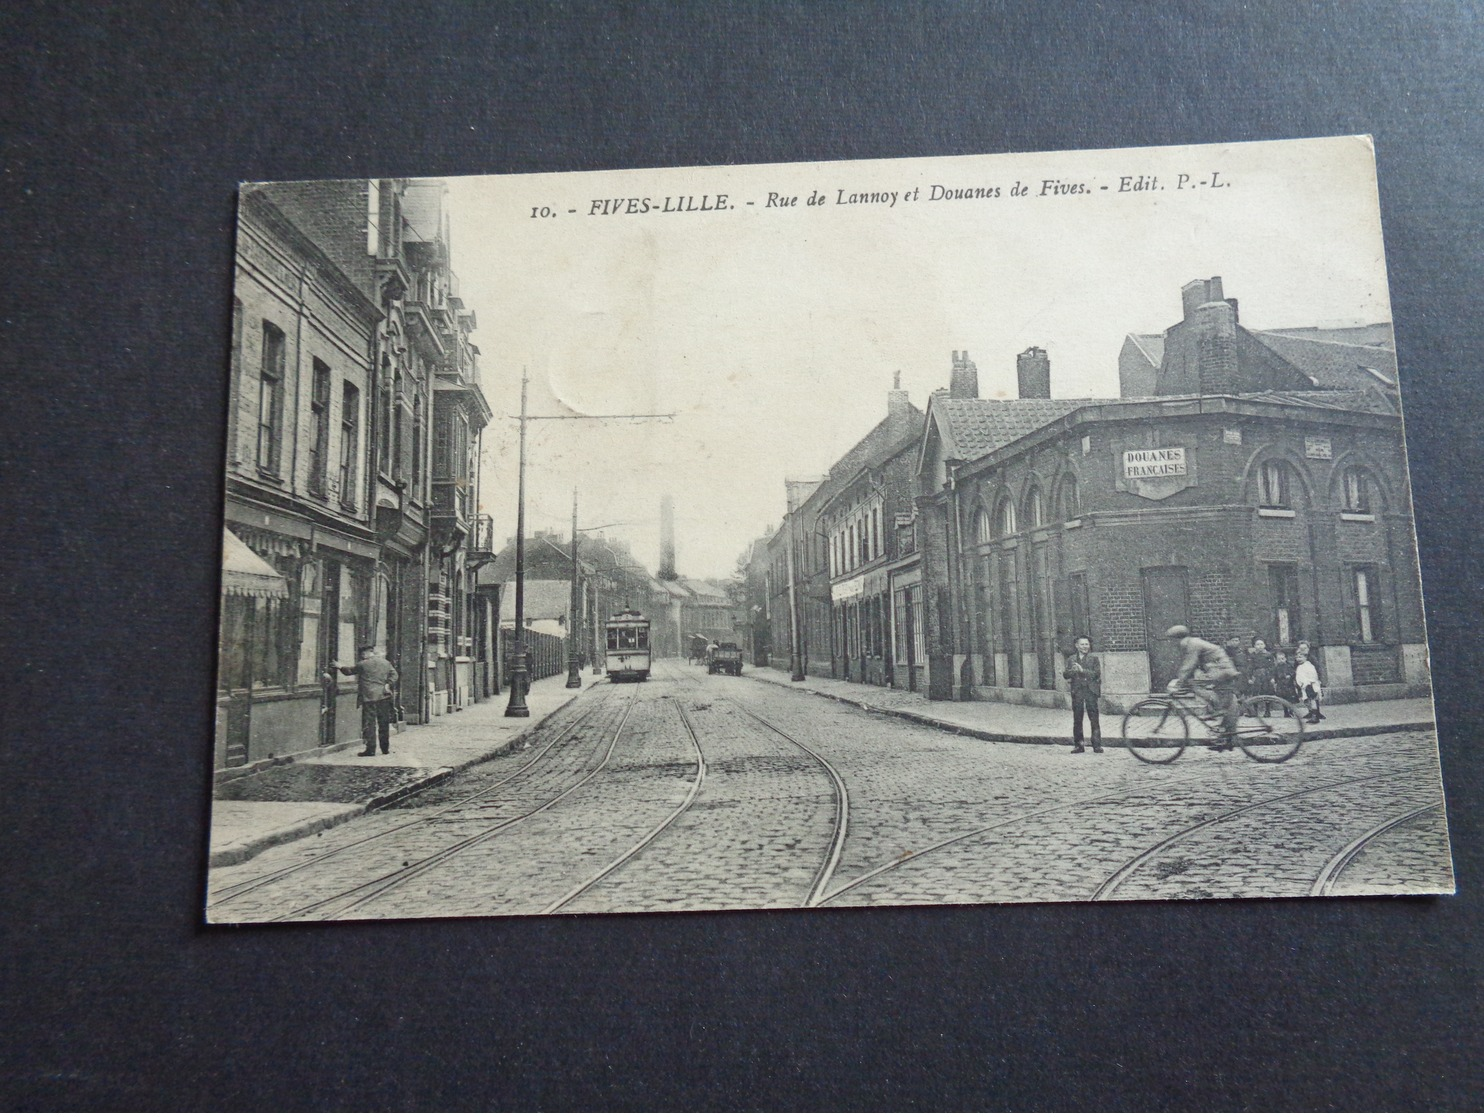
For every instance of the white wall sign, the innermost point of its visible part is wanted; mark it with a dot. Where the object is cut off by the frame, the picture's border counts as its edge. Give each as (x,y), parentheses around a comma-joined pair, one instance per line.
(1315,447)
(1139,464)
(848,589)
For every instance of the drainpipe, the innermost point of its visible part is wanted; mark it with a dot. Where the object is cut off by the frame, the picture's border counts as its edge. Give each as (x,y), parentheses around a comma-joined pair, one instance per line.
(955,580)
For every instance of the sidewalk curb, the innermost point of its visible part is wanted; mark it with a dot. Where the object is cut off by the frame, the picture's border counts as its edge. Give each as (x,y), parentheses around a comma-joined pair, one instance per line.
(1065,739)
(246,850)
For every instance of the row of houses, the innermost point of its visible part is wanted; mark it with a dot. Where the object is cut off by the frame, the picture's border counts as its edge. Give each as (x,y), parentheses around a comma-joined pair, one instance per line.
(352,476)
(1246,483)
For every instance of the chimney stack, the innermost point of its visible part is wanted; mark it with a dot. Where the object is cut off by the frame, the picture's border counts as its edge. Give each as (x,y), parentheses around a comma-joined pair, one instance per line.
(964,381)
(1216,340)
(897,404)
(1033,371)
(667,538)
(1197,293)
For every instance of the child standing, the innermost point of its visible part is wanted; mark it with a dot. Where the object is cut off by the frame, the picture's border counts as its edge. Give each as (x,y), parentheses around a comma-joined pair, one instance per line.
(1306,679)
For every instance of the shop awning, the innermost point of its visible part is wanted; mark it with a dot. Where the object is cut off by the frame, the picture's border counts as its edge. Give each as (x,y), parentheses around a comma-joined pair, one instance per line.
(244,574)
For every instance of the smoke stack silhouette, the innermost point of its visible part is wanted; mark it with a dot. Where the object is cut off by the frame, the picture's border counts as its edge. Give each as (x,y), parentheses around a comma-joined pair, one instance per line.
(667,538)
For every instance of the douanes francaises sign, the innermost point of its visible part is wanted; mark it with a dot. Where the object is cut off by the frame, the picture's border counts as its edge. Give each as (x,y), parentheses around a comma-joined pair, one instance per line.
(1139,464)
(1157,473)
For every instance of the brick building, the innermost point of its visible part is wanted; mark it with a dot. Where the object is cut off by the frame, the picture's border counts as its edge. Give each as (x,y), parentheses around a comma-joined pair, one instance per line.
(1255,486)
(859,521)
(839,528)
(350,367)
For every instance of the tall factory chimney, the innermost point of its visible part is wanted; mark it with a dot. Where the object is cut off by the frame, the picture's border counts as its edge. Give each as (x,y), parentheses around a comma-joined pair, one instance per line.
(667,538)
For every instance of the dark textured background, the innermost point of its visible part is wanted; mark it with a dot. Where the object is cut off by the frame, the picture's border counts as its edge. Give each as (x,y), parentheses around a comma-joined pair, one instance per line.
(126,130)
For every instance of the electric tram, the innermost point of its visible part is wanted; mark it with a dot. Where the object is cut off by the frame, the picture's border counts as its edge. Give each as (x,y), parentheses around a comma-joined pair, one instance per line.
(628,646)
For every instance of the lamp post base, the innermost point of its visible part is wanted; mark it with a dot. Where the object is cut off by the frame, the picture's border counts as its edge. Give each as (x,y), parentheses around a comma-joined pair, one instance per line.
(574,673)
(520,684)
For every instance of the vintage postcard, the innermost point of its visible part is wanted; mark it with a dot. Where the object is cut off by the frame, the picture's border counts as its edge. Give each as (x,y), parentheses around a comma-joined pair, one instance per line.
(933,531)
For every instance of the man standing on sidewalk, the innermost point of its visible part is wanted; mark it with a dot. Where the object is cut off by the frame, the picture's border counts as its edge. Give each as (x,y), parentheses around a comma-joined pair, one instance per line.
(1084,674)
(377,680)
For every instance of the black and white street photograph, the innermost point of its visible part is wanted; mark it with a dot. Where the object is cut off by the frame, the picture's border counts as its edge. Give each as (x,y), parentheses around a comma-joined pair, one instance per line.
(978,529)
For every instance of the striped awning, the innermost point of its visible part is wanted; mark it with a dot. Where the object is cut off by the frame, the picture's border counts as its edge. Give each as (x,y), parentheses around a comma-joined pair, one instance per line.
(244,574)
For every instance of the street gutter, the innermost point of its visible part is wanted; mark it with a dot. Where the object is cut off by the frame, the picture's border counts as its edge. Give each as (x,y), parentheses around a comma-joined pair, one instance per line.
(1065,739)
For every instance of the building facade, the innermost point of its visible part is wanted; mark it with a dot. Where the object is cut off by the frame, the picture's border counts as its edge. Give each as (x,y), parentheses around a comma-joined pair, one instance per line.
(834,529)
(1247,483)
(346,329)
(1269,502)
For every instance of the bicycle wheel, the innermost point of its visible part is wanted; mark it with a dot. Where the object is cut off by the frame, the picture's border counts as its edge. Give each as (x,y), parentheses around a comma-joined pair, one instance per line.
(1269,729)
(1155,731)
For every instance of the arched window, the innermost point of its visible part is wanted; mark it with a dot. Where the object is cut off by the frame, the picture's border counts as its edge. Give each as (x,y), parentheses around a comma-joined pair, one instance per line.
(1355,490)
(1275,485)
(1004,518)
(1035,508)
(983,527)
(1070,503)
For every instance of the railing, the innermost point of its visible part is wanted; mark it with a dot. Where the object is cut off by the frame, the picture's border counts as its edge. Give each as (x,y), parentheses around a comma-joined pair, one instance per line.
(451,498)
(482,541)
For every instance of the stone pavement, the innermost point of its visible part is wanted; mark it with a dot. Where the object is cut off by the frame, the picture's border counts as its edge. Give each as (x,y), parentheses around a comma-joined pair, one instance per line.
(270,806)
(1035,725)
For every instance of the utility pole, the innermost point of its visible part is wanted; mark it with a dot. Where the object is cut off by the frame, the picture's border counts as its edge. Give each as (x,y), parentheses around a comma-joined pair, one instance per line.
(520,668)
(574,609)
(520,665)
(796,654)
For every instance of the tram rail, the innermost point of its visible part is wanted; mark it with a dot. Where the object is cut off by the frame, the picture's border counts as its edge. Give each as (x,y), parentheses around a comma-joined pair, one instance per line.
(1116,880)
(243,888)
(363,893)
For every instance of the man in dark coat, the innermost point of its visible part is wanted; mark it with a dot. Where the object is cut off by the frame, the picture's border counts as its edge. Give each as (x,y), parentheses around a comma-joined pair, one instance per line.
(378,679)
(1084,675)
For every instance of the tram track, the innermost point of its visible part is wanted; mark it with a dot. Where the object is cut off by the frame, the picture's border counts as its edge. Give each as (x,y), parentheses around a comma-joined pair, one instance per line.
(1335,867)
(841,825)
(1116,880)
(705,778)
(363,893)
(644,842)
(1071,804)
(263,880)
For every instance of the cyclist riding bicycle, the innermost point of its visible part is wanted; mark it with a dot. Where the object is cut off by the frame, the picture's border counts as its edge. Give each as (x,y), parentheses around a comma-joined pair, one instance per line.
(1209,672)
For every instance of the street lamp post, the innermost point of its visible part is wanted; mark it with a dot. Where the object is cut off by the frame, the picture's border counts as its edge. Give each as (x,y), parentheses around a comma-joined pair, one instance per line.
(574,657)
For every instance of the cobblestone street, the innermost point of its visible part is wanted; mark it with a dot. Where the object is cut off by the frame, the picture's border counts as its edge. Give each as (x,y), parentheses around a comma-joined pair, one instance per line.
(694,792)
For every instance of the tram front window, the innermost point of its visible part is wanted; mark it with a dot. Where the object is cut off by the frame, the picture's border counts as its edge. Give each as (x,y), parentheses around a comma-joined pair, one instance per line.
(627,639)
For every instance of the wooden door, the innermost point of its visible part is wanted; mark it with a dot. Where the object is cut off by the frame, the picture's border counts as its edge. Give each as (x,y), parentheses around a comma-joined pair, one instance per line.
(1166,603)
(329,640)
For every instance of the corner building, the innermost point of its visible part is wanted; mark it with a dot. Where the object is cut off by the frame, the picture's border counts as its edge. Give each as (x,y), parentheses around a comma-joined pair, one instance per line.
(1259,491)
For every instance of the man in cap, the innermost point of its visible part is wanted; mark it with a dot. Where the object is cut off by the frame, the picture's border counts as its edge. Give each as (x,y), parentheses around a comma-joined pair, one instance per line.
(1210,673)
(378,678)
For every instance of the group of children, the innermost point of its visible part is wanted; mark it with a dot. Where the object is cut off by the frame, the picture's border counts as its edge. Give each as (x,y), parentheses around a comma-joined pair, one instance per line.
(1265,672)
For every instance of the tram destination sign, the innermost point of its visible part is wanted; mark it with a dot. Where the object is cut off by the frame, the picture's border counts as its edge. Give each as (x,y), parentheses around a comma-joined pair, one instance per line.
(1142,464)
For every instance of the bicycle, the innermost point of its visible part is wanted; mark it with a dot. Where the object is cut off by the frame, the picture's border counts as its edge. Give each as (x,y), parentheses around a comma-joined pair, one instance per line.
(1270,729)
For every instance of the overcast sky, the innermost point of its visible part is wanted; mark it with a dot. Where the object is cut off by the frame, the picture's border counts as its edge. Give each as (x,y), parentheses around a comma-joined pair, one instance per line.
(772,333)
